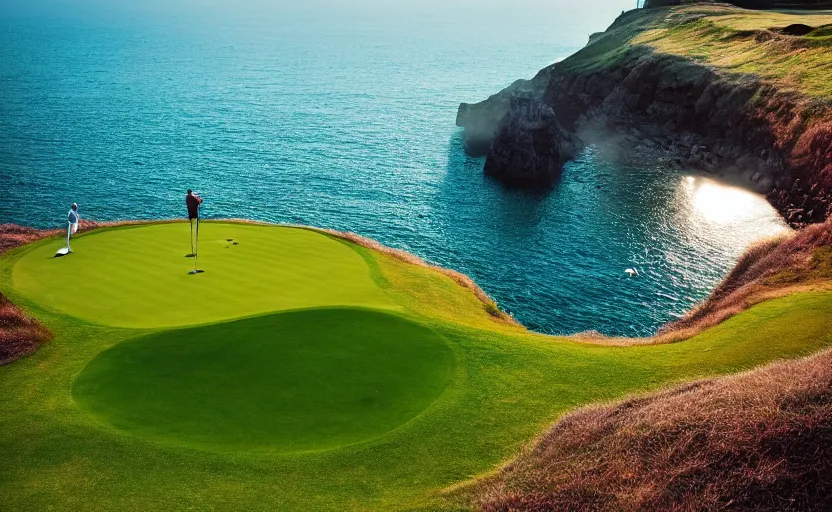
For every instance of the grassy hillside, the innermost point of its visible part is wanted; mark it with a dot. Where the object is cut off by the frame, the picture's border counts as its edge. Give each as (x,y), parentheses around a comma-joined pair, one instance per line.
(751,42)
(757,441)
(727,38)
(386,405)
(775,267)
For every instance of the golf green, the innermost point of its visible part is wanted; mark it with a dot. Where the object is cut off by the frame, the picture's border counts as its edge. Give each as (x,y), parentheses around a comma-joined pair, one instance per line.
(305,380)
(138,277)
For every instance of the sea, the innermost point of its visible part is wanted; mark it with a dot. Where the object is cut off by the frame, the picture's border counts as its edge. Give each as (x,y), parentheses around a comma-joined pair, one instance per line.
(341,115)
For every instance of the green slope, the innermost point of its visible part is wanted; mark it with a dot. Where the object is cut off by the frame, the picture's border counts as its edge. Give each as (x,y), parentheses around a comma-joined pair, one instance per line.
(465,393)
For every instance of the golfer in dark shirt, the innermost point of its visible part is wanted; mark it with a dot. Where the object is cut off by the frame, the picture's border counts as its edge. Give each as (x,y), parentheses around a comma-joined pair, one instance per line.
(192,201)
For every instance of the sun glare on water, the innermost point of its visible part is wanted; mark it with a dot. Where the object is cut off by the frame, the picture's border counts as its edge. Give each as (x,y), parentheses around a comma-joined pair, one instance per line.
(724,215)
(717,203)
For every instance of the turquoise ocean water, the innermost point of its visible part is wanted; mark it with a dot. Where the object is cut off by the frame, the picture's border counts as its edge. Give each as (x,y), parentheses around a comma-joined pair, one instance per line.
(343,117)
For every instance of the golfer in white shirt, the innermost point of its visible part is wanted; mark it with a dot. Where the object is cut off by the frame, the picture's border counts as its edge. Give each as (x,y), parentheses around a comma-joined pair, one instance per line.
(72,224)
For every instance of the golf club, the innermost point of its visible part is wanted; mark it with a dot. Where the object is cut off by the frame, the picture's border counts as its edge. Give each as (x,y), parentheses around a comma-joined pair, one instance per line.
(63,251)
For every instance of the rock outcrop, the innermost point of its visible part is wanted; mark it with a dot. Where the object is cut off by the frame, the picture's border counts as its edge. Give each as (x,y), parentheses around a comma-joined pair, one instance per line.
(530,147)
(642,105)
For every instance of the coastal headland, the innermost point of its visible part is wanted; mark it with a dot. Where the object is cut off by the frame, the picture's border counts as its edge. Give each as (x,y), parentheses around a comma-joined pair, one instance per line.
(740,95)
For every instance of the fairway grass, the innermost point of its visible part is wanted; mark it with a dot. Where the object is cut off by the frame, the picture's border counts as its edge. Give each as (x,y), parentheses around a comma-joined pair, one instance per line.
(276,411)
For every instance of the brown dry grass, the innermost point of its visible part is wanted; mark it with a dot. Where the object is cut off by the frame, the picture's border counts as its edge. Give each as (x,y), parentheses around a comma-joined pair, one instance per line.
(813,151)
(761,440)
(12,235)
(20,335)
(772,268)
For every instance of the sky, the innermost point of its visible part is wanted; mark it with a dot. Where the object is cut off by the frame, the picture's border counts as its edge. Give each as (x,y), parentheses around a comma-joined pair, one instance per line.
(512,15)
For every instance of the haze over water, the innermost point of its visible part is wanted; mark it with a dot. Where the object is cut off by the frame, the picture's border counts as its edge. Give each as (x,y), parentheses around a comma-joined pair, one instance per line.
(343,117)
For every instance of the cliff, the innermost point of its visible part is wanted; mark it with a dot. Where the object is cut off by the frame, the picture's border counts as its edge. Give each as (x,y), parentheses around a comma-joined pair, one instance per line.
(742,95)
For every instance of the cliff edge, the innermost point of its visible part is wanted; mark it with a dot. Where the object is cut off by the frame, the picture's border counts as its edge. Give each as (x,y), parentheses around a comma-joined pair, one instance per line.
(741,95)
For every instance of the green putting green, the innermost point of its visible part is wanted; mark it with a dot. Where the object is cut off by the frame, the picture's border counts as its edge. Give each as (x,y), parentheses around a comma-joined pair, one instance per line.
(138,277)
(306,380)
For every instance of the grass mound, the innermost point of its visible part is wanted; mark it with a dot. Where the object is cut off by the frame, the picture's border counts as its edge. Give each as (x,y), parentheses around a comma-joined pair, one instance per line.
(306,380)
(757,441)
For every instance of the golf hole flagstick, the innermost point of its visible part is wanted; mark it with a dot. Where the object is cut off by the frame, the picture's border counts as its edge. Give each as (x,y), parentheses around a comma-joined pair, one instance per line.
(191,254)
(196,269)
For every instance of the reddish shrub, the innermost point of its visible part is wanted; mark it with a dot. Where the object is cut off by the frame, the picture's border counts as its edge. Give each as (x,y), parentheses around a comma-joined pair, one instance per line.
(813,153)
(12,235)
(19,334)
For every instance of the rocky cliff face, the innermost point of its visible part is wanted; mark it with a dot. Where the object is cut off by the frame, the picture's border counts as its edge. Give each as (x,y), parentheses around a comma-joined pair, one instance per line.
(482,120)
(670,109)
